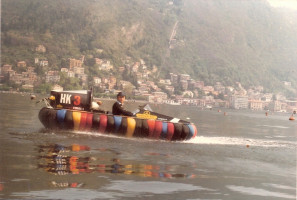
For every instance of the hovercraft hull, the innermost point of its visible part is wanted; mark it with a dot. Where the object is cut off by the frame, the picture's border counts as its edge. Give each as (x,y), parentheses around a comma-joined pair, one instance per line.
(65,119)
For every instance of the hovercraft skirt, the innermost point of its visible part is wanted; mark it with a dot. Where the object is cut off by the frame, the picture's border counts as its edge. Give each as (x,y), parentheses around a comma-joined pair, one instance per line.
(112,124)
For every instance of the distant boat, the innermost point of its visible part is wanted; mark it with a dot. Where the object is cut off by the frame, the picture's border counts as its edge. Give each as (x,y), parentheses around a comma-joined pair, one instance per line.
(292,117)
(208,106)
(174,103)
(32,97)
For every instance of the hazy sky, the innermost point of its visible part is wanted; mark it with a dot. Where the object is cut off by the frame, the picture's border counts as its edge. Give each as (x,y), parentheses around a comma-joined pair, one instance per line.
(292,4)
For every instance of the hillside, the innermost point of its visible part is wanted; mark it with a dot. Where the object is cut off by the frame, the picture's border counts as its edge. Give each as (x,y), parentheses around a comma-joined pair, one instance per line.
(72,28)
(216,40)
(246,41)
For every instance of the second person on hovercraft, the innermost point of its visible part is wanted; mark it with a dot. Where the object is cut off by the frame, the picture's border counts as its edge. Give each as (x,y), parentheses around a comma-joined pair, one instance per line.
(118,106)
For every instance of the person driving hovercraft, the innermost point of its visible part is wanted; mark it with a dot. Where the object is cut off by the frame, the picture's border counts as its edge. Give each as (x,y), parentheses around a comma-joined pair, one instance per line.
(118,106)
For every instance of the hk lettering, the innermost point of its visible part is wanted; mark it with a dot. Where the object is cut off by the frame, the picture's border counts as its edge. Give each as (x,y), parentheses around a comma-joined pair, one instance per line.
(65,98)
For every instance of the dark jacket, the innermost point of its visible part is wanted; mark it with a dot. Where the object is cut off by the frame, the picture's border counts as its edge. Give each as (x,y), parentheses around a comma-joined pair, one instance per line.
(117,109)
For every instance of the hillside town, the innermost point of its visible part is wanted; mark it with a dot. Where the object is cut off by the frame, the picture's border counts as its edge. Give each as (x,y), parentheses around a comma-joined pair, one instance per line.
(177,89)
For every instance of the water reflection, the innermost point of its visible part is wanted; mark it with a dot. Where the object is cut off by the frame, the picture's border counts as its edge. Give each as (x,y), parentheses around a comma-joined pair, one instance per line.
(70,160)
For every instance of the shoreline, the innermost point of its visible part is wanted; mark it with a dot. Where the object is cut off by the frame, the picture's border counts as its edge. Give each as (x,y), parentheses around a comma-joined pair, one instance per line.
(142,102)
(16,92)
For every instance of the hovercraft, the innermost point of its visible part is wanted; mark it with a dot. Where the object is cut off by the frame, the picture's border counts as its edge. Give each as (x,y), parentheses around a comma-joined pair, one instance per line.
(72,110)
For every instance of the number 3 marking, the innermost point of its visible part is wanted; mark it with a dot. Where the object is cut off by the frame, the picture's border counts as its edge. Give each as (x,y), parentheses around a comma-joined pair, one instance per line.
(76,100)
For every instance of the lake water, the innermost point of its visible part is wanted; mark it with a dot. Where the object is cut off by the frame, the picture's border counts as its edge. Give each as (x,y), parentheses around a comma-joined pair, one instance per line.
(241,155)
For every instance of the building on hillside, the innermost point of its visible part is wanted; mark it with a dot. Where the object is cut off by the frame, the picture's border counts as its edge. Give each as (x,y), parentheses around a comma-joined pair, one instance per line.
(30,69)
(74,63)
(16,78)
(219,87)
(142,90)
(21,64)
(98,61)
(79,70)
(152,85)
(70,74)
(96,80)
(139,76)
(104,80)
(40,48)
(184,84)
(286,83)
(5,69)
(256,104)
(280,97)
(154,69)
(169,88)
(121,69)
(188,94)
(83,78)
(267,97)
(112,80)
(99,87)
(199,85)
(184,77)
(173,78)
(135,67)
(191,84)
(82,59)
(165,81)
(52,77)
(57,87)
(64,70)
(208,89)
(105,66)
(43,63)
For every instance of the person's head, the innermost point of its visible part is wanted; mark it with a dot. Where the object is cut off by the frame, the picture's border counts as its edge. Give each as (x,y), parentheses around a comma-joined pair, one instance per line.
(121,97)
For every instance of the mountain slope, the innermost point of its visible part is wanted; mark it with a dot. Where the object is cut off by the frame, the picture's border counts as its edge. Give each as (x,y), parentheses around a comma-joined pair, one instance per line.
(72,28)
(246,41)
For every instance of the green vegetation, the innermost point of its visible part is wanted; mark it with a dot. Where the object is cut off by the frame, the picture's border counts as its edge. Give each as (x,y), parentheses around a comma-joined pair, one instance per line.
(44,88)
(69,83)
(226,41)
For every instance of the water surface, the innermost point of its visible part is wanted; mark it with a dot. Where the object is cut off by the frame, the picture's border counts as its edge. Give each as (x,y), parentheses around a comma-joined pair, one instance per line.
(241,155)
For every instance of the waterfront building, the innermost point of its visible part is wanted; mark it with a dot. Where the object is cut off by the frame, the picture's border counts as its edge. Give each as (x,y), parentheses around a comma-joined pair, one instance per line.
(275,106)
(239,102)
(256,105)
